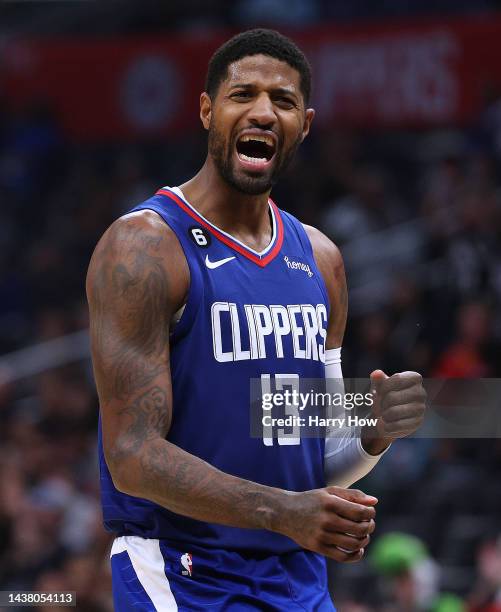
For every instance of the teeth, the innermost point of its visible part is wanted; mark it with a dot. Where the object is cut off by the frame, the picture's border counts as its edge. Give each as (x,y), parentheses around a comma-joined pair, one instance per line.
(260,138)
(253,160)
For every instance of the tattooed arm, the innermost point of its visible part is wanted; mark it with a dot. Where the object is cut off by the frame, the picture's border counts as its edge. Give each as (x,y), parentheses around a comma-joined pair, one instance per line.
(138,277)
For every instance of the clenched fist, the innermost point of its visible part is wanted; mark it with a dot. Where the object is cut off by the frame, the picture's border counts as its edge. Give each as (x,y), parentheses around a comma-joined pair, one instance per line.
(399,405)
(333,521)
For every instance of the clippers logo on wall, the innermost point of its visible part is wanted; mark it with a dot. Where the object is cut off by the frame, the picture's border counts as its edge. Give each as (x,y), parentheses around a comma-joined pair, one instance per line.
(398,74)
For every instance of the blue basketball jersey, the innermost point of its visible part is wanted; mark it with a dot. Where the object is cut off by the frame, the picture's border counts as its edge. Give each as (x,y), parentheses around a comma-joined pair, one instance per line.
(248,316)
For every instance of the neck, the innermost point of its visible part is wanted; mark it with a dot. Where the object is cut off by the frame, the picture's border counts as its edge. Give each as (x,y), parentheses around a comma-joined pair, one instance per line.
(242,215)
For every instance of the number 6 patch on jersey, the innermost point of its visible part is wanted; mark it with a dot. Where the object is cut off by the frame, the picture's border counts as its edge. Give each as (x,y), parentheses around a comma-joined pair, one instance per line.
(200,236)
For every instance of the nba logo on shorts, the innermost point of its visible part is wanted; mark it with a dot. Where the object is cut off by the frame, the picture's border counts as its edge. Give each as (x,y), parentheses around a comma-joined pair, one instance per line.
(186,562)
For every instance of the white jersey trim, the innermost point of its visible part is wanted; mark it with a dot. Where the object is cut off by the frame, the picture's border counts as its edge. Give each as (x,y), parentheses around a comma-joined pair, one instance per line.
(148,563)
(179,193)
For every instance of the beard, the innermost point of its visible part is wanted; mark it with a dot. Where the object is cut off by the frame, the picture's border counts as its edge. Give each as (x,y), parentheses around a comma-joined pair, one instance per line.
(222,154)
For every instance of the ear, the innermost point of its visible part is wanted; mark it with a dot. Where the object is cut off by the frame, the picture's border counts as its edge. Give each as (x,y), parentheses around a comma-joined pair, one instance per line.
(308,118)
(205,109)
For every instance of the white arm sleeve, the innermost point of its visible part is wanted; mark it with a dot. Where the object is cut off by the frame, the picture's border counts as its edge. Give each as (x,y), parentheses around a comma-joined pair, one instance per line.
(345,460)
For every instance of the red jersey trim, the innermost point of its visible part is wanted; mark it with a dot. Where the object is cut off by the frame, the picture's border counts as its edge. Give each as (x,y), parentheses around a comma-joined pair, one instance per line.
(260,261)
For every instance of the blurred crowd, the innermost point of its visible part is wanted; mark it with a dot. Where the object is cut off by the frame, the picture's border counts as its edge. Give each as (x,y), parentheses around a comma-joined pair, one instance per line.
(138,17)
(417,216)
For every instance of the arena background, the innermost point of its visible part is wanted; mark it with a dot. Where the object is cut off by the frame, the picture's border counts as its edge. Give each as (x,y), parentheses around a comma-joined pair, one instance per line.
(98,108)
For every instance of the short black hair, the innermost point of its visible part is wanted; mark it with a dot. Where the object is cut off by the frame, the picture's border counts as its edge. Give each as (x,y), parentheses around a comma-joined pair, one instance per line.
(255,42)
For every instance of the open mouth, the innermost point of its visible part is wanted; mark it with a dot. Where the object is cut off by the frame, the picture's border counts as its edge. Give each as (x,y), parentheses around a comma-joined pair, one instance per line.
(255,149)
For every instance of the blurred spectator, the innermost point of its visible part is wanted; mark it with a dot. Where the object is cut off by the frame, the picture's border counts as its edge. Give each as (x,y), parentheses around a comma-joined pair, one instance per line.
(486,593)
(370,208)
(467,356)
(276,12)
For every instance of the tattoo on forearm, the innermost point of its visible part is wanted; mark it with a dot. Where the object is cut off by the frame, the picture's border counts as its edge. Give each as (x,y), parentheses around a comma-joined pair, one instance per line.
(149,417)
(174,478)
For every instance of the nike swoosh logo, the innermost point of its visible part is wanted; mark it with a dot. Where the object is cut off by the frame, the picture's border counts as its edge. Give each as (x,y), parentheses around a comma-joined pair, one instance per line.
(215,264)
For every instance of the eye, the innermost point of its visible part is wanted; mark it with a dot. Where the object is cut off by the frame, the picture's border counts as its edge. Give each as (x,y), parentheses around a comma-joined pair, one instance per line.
(240,95)
(285,102)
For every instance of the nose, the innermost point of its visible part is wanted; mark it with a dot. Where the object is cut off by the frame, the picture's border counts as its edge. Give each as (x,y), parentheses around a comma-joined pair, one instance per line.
(262,114)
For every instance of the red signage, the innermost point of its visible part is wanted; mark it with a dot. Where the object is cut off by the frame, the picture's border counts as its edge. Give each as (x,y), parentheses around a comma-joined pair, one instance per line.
(415,74)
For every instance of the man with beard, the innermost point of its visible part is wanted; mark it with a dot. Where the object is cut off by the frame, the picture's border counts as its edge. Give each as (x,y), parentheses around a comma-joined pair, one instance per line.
(194,293)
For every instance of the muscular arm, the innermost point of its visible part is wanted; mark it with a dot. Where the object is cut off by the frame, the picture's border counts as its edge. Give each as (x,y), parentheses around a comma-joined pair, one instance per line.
(137,279)
(400,399)
(330,263)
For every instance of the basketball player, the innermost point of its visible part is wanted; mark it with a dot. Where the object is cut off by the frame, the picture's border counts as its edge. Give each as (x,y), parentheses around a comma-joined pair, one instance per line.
(196,291)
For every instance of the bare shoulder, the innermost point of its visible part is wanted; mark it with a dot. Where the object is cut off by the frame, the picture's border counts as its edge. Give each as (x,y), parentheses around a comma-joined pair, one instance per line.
(327,255)
(142,231)
(137,244)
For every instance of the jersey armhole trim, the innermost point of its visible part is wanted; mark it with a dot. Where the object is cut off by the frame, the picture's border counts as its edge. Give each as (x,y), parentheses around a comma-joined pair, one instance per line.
(192,302)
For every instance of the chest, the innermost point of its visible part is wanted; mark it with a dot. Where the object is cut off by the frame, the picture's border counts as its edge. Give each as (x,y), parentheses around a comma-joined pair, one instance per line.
(277,311)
